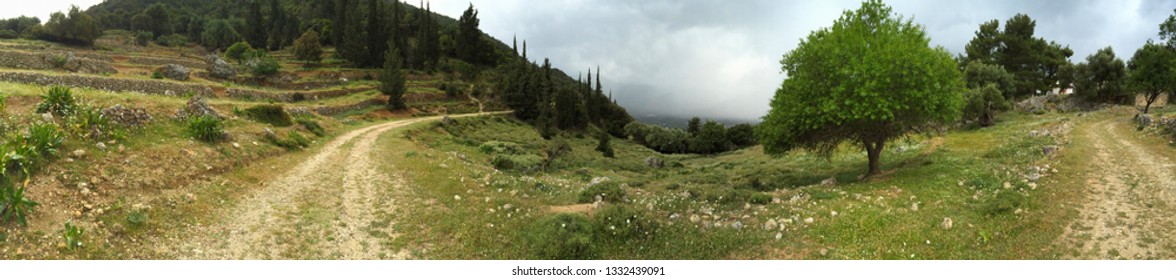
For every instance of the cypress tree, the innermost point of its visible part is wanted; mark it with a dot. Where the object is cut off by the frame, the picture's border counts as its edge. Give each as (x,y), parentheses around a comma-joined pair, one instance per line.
(255,30)
(377,33)
(392,80)
(277,22)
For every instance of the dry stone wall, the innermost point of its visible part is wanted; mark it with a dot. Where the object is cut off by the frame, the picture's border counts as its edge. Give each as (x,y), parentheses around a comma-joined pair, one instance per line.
(106,83)
(290,96)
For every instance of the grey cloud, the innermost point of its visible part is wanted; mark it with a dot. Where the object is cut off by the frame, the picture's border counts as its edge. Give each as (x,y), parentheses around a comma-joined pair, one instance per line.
(720,58)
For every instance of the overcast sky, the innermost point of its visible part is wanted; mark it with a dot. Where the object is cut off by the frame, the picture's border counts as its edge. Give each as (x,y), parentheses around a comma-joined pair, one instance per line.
(721,58)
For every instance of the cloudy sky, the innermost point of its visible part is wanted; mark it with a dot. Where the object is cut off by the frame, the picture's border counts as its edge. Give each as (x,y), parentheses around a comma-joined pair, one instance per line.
(720,59)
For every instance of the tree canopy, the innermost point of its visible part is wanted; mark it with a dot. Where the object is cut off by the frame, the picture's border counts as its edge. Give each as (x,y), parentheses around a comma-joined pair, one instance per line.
(1034,62)
(1102,78)
(1152,71)
(870,78)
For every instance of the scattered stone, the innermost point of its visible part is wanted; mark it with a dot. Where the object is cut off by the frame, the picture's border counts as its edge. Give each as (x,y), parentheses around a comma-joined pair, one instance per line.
(83,185)
(236,146)
(1018,211)
(197,107)
(100,146)
(655,162)
(675,216)
(597,181)
(834,214)
(832,181)
(824,252)
(174,72)
(47,117)
(507,206)
(1049,150)
(457,197)
(695,218)
(1032,186)
(737,225)
(1008,185)
(808,220)
(1033,176)
(121,148)
(915,206)
(771,225)
(946,224)
(79,153)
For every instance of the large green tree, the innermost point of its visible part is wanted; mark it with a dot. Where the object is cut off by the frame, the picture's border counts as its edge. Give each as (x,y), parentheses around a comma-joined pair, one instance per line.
(870,78)
(1152,71)
(1034,62)
(1102,78)
(307,47)
(75,27)
(469,37)
(255,25)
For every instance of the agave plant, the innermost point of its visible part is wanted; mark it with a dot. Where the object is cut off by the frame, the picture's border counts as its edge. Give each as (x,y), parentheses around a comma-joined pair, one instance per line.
(58,101)
(45,138)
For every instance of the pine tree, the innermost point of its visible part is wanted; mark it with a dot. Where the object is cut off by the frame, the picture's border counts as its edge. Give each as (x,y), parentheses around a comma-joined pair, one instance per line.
(392,80)
(354,45)
(339,23)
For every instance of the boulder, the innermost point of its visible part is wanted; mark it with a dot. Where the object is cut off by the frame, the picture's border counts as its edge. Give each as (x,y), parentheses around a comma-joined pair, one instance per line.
(655,162)
(174,71)
(1049,150)
(197,107)
(832,181)
(218,68)
(1144,119)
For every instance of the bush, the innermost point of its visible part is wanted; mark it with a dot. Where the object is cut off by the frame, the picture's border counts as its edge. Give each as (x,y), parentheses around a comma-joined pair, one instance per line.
(313,127)
(14,206)
(741,135)
(173,40)
(157,75)
(451,90)
(238,51)
(516,162)
(499,147)
(206,128)
(608,191)
(293,141)
(563,237)
(265,66)
(760,198)
(143,37)
(603,145)
(622,222)
(270,114)
(58,101)
(8,34)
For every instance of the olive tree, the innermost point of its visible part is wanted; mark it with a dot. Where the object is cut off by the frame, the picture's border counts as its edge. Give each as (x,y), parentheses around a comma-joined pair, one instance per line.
(1152,71)
(870,78)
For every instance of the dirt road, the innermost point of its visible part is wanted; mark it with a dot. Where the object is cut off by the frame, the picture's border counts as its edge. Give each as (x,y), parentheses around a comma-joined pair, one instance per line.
(1128,209)
(337,204)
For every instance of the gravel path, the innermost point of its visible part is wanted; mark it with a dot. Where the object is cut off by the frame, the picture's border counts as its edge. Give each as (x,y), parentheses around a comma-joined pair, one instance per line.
(337,204)
(1128,209)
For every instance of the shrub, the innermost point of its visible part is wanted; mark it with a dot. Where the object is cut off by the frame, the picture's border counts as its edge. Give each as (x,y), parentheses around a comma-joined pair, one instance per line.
(3,104)
(143,37)
(623,222)
(157,75)
(137,218)
(14,206)
(499,147)
(603,145)
(741,135)
(45,138)
(313,127)
(265,66)
(8,34)
(760,198)
(563,237)
(73,236)
(516,162)
(173,40)
(58,101)
(451,90)
(271,114)
(293,141)
(608,191)
(206,128)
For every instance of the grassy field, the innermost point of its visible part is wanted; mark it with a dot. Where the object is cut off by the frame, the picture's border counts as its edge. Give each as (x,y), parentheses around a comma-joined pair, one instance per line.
(743,204)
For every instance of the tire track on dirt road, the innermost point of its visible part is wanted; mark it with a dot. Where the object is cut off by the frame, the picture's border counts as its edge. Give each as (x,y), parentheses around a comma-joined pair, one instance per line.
(334,205)
(1127,212)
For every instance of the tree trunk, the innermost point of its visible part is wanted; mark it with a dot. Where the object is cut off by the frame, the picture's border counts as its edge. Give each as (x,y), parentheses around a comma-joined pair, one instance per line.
(874,152)
(1150,98)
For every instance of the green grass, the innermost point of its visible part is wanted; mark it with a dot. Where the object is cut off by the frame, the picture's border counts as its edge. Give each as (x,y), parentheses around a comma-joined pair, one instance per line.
(896,216)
